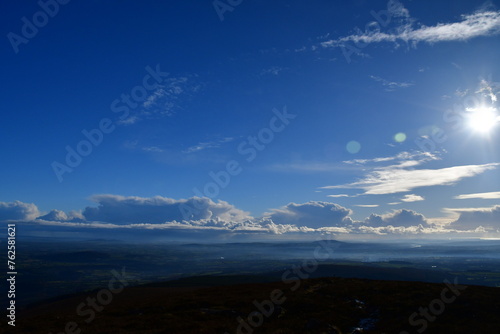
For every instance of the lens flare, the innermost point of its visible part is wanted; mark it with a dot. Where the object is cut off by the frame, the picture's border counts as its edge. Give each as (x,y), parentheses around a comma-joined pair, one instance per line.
(483,119)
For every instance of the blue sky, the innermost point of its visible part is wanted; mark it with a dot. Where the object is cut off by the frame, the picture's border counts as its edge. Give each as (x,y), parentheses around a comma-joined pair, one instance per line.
(366,116)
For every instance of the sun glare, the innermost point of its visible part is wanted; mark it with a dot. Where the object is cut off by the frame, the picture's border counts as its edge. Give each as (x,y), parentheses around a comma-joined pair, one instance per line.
(483,119)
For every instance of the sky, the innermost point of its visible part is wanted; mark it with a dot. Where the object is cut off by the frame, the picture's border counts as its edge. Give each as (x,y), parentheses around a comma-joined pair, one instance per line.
(219,120)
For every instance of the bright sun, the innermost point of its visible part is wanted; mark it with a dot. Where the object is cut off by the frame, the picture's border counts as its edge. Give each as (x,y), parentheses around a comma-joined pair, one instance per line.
(483,119)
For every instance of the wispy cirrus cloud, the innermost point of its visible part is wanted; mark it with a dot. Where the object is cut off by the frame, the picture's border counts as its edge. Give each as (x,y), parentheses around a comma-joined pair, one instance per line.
(403,176)
(481,23)
(391,180)
(407,159)
(417,157)
(488,195)
(208,144)
(154,149)
(489,89)
(308,166)
(165,100)
(391,85)
(273,70)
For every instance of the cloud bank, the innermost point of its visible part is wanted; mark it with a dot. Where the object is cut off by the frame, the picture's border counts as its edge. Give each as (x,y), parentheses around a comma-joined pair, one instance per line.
(312,214)
(405,218)
(474,218)
(18,211)
(156,210)
(161,218)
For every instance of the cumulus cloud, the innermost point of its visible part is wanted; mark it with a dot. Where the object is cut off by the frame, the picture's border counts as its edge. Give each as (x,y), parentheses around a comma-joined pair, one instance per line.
(412,198)
(406,230)
(247,226)
(156,210)
(405,218)
(312,214)
(471,218)
(163,218)
(481,23)
(61,216)
(18,211)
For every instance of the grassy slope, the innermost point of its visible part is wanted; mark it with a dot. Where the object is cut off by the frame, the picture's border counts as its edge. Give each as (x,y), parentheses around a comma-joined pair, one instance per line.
(318,306)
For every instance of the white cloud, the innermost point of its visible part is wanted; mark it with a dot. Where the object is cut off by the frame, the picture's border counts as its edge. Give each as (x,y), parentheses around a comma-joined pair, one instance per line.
(402,217)
(254,225)
(205,229)
(489,195)
(274,70)
(426,230)
(154,149)
(129,120)
(397,9)
(206,145)
(367,205)
(412,198)
(461,93)
(301,166)
(391,85)
(18,211)
(471,218)
(160,217)
(60,216)
(337,196)
(407,158)
(164,101)
(394,179)
(154,97)
(312,214)
(490,90)
(156,210)
(484,23)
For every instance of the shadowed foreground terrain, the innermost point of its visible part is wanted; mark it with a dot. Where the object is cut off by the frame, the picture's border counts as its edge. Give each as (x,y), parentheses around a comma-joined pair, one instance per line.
(320,305)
